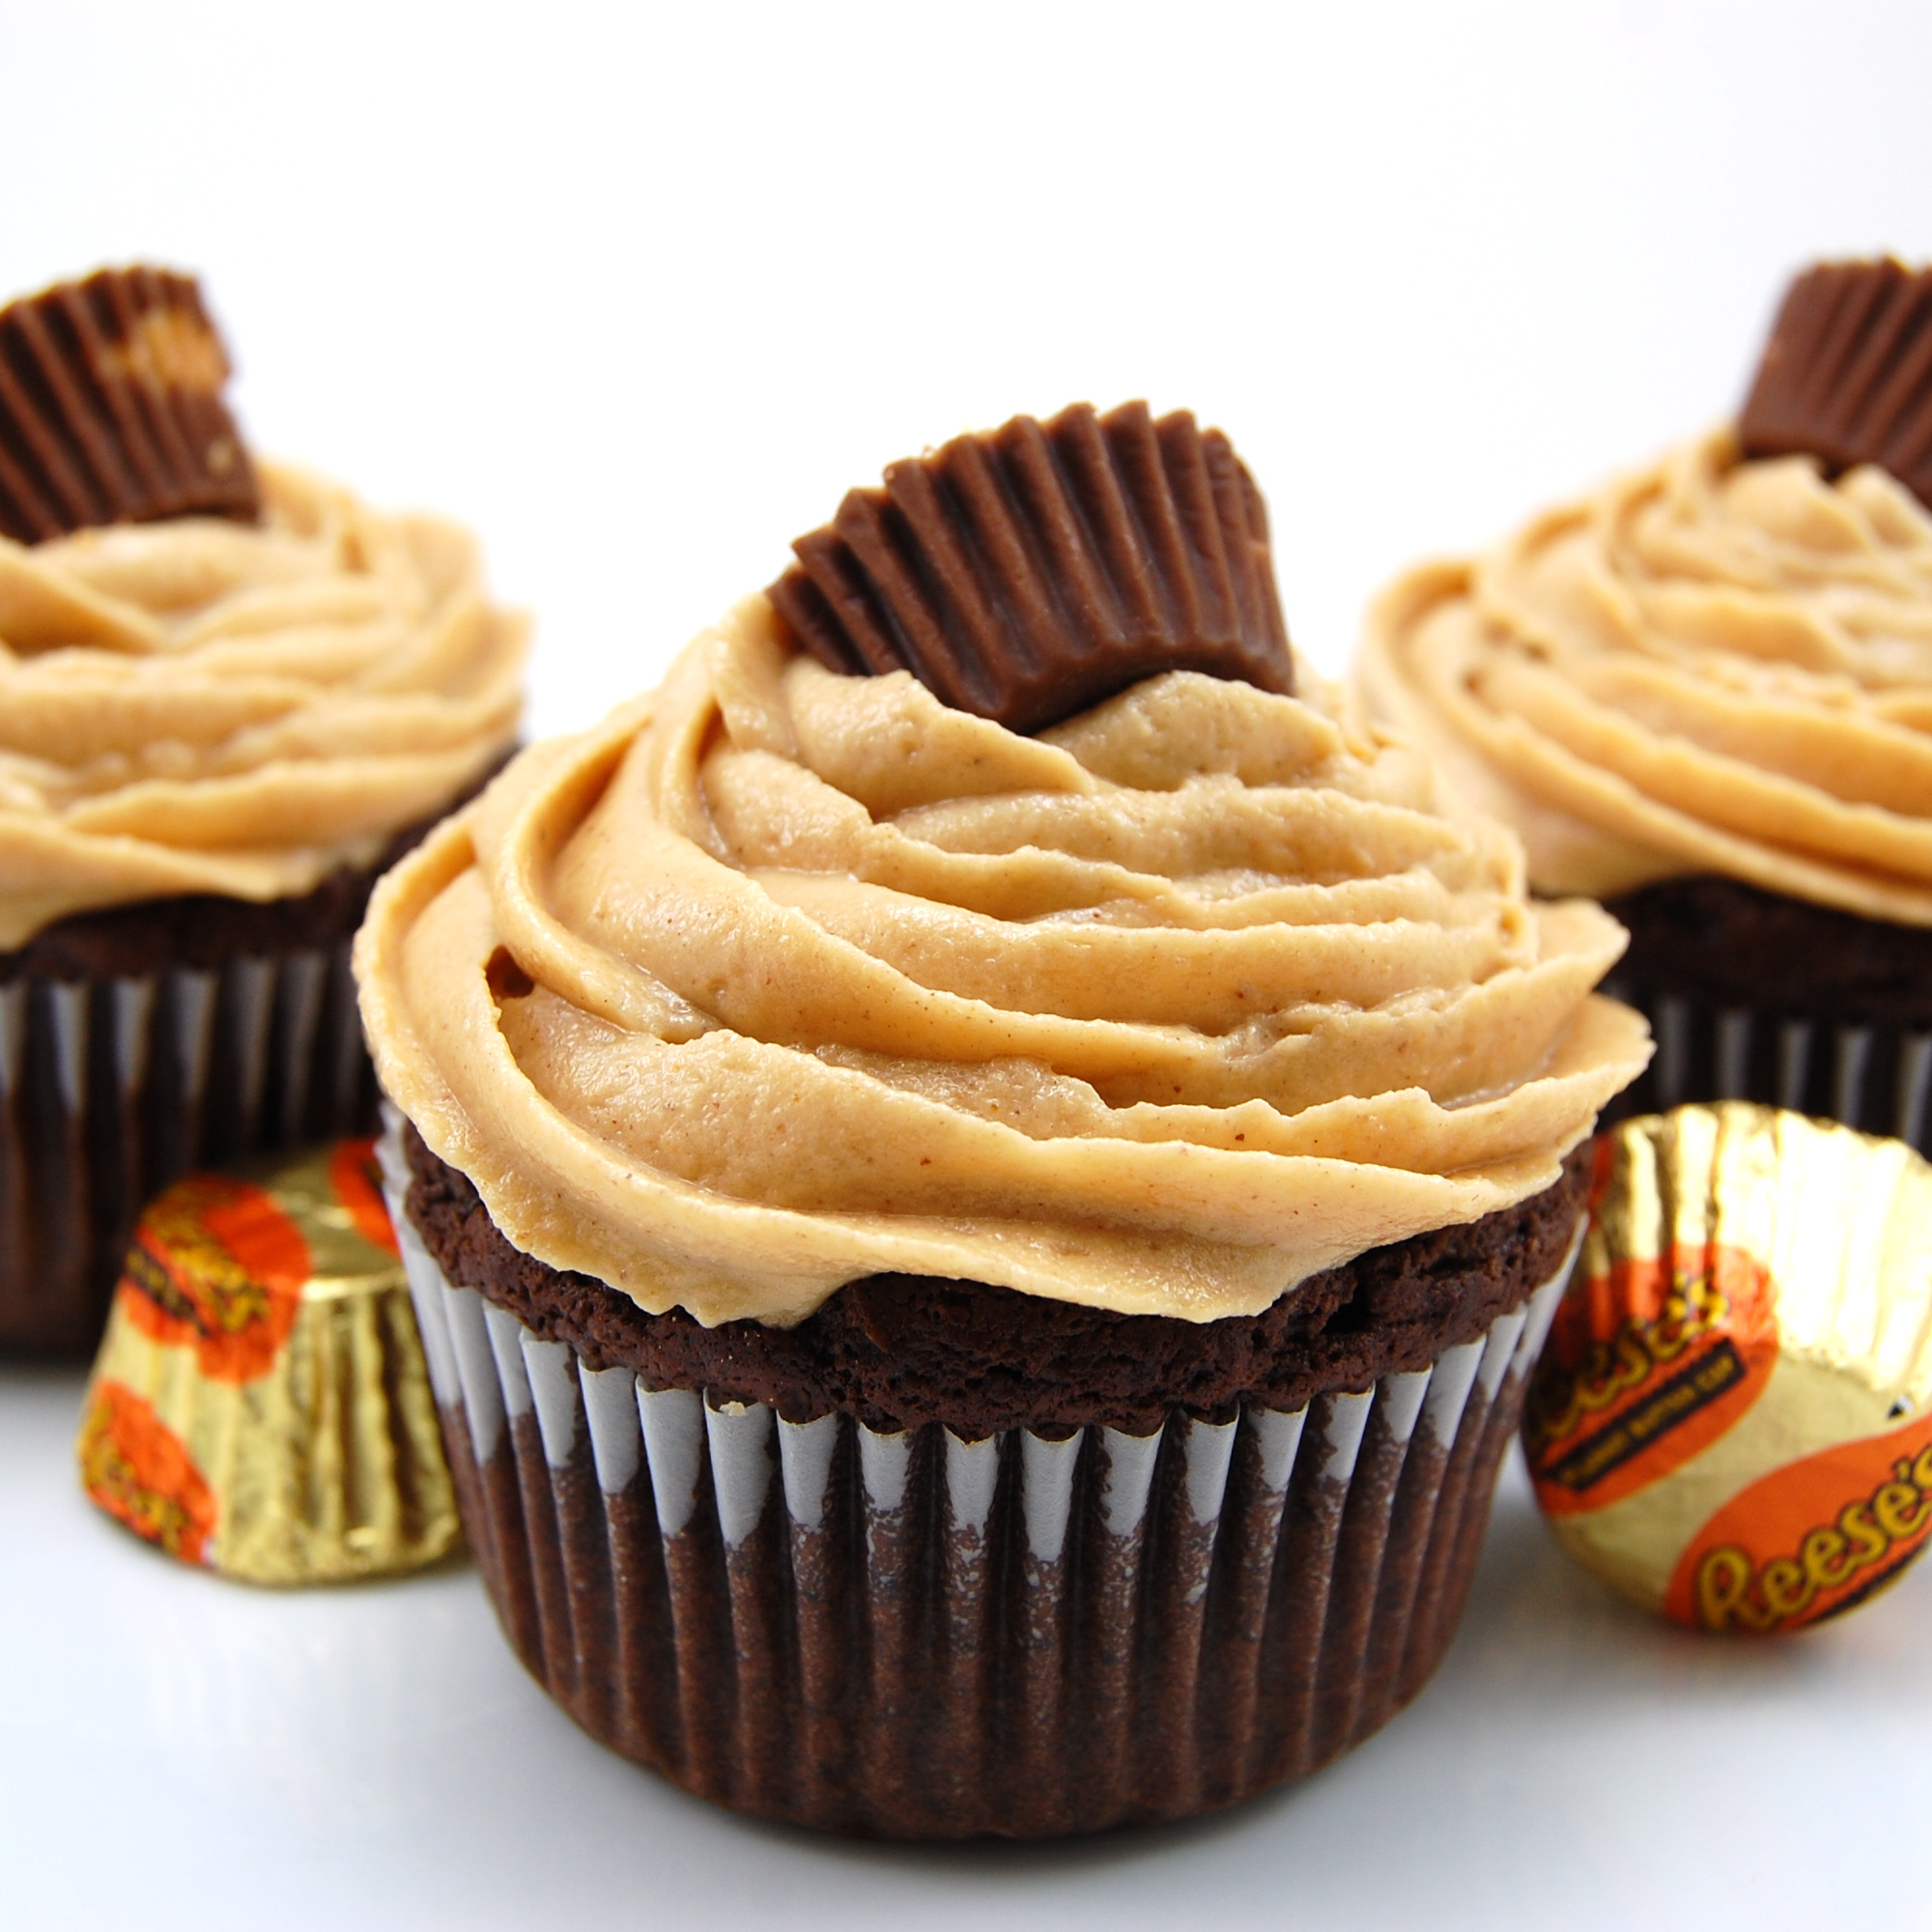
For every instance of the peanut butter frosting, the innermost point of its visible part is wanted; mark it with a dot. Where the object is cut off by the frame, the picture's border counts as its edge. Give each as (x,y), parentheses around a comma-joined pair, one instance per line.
(781,977)
(1710,665)
(203,706)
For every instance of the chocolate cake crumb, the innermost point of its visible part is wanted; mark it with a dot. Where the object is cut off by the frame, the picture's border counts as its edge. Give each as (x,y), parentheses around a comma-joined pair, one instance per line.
(1728,944)
(205,931)
(901,1350)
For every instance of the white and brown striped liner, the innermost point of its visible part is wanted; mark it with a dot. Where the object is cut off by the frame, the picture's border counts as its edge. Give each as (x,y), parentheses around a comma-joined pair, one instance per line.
(916,1635)
(1875,1078)
(111,1087)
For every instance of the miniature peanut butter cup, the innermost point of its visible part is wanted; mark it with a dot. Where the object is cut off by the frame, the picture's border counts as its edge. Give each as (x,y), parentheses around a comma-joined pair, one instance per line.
(1027,572)
(111,408)
(261,1404)
(1847,374)
(1732,1422)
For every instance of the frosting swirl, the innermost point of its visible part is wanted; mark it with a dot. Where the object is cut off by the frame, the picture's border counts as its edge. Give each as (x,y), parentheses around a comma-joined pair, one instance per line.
(1710,665)
(201,706)
(780,977)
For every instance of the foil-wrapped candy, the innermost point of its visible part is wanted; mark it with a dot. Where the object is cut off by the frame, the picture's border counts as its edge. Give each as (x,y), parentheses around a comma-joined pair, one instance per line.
(259,1402)
(1731,1421)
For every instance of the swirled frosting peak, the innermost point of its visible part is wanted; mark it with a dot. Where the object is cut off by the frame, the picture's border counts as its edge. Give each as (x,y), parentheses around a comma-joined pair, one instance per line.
(782,977)
(1709,666)
(202,706)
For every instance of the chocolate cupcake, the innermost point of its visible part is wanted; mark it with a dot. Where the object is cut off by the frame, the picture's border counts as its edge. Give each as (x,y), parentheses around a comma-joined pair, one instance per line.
(1704,696)
(976,1279)
(230,692)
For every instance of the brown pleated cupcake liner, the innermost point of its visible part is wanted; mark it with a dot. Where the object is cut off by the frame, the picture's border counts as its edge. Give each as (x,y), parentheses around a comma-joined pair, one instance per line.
(111,408)
(1875,1078)
(1847,373)
(916,1635)
(1027,573)
(112,1087)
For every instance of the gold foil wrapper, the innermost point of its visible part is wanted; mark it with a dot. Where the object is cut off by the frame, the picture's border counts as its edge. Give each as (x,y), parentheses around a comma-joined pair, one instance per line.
(261,1404)
(1731,1421)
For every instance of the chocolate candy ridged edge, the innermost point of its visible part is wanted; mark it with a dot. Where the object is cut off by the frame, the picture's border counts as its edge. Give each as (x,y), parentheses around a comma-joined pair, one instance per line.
(1029,572)
(111,408)
(1847,373)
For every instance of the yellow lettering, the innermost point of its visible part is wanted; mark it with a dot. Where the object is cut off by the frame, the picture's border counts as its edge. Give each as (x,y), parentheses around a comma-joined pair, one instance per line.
(1632,1360)
(1672,1334)
(1716,1372)
(1723,1579)
(1785,1587)
(1783,1590)
(1827,1560)
(1899,1508)
(1868,1541)
(1695,1306)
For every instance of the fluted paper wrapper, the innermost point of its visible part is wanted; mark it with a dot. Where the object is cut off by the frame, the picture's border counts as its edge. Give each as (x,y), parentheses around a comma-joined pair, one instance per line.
(1732,1421)
(916,1635)
(1877,1078)
(260,1403)
(112,1087)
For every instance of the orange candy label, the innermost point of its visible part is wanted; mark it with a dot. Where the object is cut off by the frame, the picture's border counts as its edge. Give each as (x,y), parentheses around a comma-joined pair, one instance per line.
(357,1182)
(1647,1363)
(138,1469)
(218,1266)
(1734,1452)
(1811,1539)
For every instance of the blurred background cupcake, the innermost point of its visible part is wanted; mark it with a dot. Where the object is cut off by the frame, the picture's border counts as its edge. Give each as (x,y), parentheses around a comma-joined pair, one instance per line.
(1703,695)
(980,1202)
(230,694)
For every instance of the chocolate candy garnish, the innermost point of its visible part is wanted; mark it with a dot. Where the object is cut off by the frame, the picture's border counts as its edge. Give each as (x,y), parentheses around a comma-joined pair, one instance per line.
(111,408)
(1027,572)
(1847,374)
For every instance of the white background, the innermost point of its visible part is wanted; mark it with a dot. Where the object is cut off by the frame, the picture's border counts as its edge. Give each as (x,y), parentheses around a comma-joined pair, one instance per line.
(640,292)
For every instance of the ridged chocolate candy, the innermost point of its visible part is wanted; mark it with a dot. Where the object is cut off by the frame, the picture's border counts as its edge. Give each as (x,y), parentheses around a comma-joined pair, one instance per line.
(111,408)
(1847,374)
(1027,572)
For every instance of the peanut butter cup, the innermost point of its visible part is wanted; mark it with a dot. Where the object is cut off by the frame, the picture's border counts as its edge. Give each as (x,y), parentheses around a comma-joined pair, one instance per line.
(1847,374)
(111,408)
(1027,572)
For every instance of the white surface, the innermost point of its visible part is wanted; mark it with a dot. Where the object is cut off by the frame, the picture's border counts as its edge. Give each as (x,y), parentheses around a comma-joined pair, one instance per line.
(179,1751)
(640,292)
